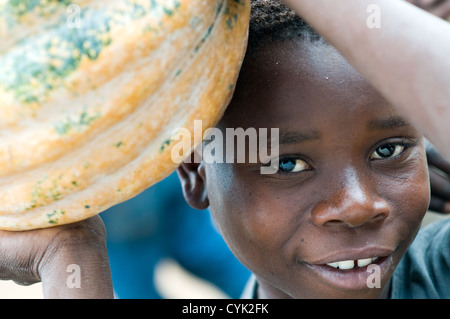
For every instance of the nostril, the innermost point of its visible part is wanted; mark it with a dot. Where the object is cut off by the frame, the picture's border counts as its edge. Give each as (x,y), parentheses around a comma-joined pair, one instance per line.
(334,222)
(379,217)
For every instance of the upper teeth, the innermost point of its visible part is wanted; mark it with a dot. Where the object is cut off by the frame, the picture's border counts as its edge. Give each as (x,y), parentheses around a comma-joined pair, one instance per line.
(350,264)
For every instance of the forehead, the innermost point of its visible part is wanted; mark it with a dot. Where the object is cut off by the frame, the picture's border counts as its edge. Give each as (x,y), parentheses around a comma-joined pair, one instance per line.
(283,80)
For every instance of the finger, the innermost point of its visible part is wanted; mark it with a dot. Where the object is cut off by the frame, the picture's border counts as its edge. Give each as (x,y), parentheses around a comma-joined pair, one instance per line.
(425,4)
(442,10)
(430,3)
(436,160)
(437,204)
(447,208)
(415,2)
(440,185)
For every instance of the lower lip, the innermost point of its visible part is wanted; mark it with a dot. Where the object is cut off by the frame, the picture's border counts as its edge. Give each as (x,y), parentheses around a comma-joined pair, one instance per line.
(352,279)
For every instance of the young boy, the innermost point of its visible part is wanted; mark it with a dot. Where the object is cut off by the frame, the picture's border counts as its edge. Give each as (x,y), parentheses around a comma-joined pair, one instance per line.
(338,217)
(352,184)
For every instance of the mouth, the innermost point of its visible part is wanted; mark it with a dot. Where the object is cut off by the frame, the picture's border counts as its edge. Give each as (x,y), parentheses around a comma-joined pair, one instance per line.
(353,272)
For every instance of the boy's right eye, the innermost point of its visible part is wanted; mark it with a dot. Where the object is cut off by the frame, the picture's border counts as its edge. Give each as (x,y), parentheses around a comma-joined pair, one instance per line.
(292,165)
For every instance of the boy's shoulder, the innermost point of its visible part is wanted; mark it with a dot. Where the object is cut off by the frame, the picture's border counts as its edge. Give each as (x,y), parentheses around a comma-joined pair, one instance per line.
(424,271)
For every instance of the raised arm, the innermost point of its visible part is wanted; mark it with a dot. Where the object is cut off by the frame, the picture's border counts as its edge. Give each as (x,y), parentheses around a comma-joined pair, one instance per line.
(406,56)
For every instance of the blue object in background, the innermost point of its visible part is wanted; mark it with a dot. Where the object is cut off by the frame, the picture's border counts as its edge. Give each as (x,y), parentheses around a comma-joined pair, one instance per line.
(159,224)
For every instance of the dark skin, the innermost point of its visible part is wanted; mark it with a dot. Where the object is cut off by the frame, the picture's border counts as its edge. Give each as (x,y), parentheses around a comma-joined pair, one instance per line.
(335,198)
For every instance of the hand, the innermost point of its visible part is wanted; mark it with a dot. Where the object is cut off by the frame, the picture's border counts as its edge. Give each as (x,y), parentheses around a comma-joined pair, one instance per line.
(440,8)
(439,170)
(28,257)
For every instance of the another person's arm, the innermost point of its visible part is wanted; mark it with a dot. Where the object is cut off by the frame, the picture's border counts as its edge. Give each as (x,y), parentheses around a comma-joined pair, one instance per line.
(71,261)
(407,59)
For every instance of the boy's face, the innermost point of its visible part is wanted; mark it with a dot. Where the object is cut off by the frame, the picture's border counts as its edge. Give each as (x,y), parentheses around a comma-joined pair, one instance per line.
(352,182)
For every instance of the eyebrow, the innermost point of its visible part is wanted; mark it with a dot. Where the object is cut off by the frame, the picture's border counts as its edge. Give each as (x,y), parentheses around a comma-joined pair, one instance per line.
(377,124)
(298,137)
(388,123)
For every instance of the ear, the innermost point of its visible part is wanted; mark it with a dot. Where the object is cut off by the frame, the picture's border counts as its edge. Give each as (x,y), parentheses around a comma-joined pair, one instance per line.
(193,183)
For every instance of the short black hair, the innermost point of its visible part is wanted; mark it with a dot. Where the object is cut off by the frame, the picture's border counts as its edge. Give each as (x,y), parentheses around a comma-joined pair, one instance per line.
(271,20)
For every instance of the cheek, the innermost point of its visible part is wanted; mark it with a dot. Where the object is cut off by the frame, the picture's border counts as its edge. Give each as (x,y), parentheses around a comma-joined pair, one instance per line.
(409,197)
(252,222)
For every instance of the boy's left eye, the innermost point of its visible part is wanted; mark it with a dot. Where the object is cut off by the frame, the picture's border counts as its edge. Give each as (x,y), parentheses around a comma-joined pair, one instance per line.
(292,165)
(387,150)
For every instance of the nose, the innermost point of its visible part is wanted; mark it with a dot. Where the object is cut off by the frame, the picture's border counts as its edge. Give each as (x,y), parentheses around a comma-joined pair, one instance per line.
(352,205)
